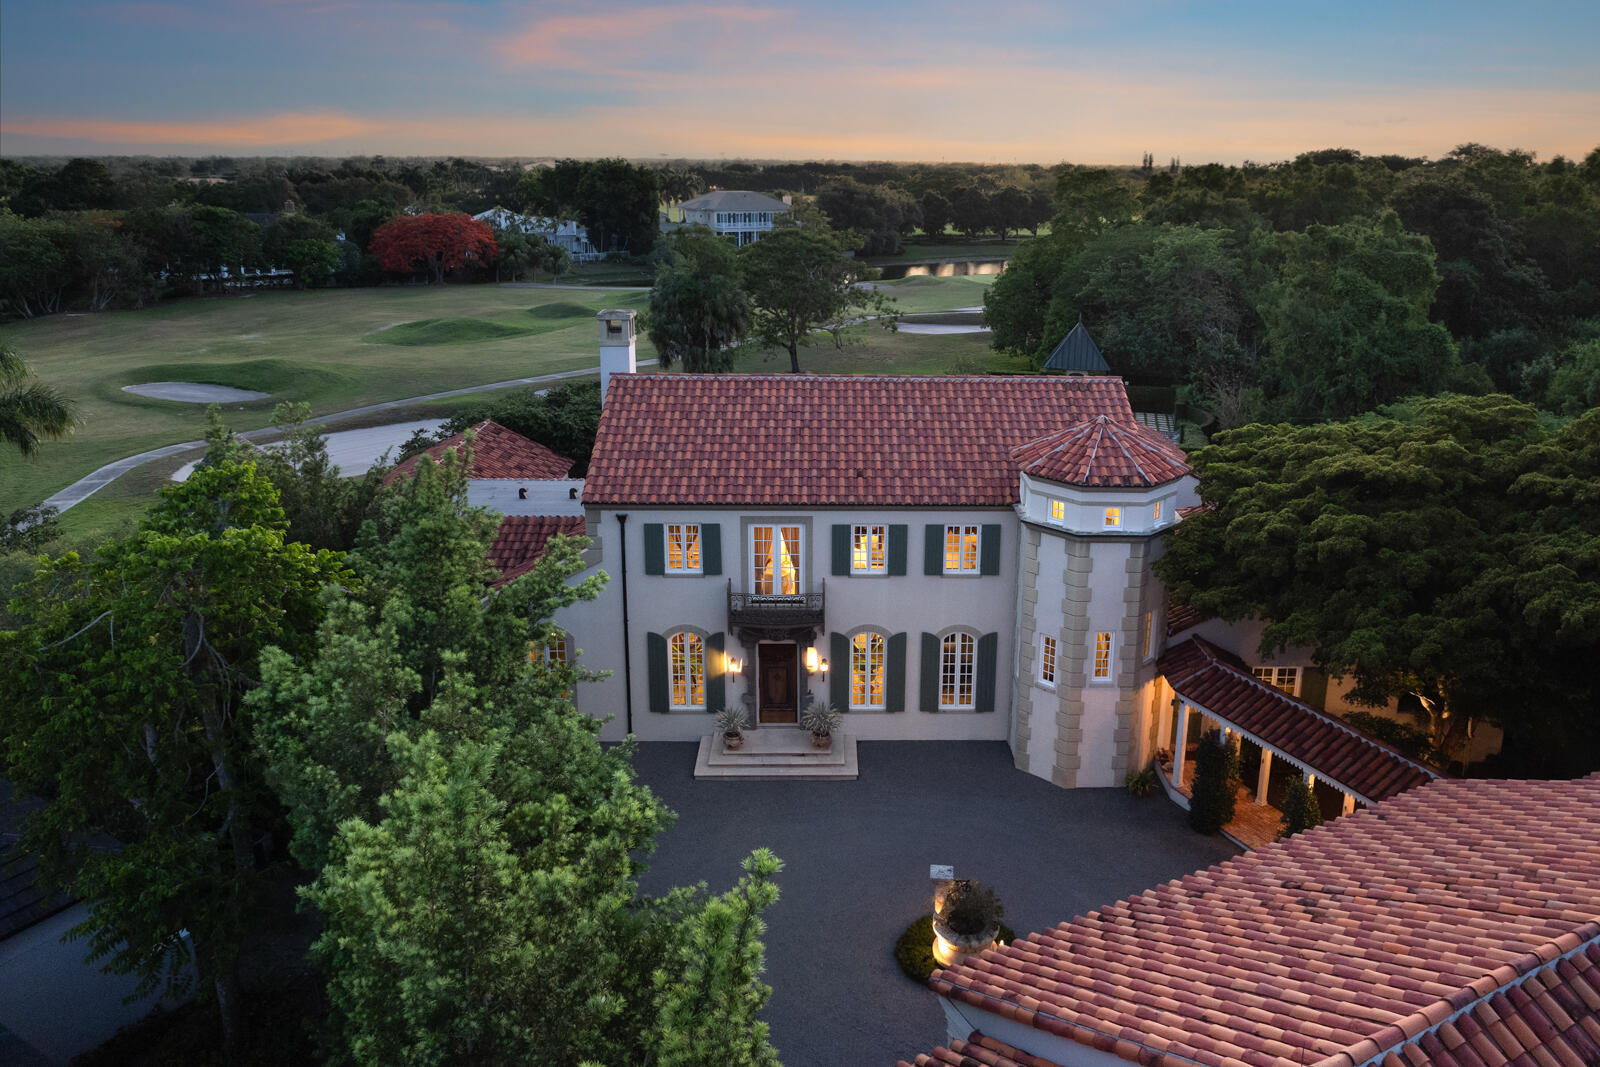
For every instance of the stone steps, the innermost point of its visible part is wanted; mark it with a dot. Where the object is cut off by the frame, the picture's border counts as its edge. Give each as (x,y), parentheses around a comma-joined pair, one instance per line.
(773,753)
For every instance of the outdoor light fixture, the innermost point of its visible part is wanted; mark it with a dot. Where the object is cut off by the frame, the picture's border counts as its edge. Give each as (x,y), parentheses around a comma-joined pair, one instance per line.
(823,666)
(811,658)
(735,665)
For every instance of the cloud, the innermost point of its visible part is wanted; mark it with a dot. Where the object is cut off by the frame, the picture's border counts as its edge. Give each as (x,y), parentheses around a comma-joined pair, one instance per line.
(600,42)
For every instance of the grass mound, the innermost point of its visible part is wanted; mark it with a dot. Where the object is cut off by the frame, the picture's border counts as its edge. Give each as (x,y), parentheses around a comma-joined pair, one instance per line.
(561,309)
(284,378)
(913,950)
(446,332)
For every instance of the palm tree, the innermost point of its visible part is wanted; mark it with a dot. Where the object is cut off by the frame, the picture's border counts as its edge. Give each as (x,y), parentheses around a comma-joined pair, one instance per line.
(29,411)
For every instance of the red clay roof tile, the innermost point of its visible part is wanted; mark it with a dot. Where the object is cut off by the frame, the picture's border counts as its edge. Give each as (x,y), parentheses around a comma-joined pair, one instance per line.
(1340,942)
(830,440)
(496,453)
(520,541)
(1103,452)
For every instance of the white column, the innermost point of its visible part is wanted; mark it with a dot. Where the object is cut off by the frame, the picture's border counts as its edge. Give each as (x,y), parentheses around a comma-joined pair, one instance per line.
(1261,778)
(1349,804)
(1179,742)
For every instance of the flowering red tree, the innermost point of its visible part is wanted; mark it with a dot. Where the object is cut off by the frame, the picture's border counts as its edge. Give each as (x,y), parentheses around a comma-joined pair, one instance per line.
(436,243)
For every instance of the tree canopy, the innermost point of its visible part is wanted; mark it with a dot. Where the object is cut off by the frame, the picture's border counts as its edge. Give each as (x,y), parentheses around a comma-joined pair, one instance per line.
(436,244)
(698,305)
(29,410)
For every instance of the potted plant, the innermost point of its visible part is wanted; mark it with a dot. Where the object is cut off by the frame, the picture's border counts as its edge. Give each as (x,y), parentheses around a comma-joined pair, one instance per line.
(731,721)
(821,719)
(966,920)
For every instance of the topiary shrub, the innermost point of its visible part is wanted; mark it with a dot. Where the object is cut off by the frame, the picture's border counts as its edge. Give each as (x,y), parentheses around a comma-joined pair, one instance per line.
(1300,808)
(913,951)
(969,907)
(1216,784)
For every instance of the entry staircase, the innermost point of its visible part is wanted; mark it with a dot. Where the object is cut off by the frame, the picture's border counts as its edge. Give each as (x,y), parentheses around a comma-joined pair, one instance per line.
(777,752)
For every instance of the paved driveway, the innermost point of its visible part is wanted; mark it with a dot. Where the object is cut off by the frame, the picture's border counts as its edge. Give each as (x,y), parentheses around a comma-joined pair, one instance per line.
(856,858)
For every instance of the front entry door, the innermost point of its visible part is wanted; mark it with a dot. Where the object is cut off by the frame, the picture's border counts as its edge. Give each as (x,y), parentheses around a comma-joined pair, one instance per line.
(778,667)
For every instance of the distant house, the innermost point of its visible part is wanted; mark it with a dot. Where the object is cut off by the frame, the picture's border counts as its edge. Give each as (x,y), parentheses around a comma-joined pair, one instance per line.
(736,213)
(564,233)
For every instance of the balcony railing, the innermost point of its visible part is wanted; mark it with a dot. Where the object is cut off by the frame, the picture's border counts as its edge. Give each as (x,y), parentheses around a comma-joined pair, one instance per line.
(775,610)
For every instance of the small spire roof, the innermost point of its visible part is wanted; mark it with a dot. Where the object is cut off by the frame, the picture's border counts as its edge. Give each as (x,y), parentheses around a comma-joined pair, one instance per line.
(1077,353)
(1103,453)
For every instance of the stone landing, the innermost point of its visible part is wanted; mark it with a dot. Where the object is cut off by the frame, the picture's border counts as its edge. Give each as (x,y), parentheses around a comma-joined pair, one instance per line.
(777,752)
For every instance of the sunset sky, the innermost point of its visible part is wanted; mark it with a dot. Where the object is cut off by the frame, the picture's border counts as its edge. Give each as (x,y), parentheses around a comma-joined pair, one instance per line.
(989,80)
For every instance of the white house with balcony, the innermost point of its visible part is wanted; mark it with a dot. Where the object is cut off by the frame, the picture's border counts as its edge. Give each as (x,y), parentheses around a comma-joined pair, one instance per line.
(735,213)
(564,233)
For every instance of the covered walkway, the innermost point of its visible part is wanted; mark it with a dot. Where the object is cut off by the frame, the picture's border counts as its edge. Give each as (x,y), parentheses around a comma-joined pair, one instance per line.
(1278,735)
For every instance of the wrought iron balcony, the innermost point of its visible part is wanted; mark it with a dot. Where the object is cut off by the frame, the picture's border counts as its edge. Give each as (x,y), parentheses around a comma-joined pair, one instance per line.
(775,611)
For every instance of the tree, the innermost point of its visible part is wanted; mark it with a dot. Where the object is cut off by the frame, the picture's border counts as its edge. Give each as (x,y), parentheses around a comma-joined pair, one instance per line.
(709,1001)
(800,282)
(970,211)
(29,411)
(879,217)
(1301,811)
(619,203)
(1446,548)
(1215,789)
(936,214)
(124,684)
(1089,200)
(698,306)
(34,264)
(1347,320)
(304,245)
(435,243)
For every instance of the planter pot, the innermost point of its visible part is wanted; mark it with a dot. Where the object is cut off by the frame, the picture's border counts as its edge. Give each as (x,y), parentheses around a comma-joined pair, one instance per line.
(732,741)
(821,740)
(950,947)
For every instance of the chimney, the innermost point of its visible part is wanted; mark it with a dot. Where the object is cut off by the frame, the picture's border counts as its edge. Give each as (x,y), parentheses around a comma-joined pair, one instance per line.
(616,346)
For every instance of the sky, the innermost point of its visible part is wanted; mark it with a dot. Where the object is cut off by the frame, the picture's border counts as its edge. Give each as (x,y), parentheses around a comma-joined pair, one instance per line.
(981,80)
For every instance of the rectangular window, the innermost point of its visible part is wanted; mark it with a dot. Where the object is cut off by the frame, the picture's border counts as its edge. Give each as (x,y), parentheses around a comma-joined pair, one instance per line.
(958,657)
(1149,634)
(1047,661)
(1113,517)
(1102,657)
(683,547)
(1285,678)
(961,549)
(866,671)
(686,665)
(867,548)
(1157,516)
(1058,511)
(775,560)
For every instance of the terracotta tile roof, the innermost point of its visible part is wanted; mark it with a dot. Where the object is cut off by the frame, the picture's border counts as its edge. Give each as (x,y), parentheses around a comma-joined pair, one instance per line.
(1338,946)
(829,440)
(520,541)
(1551,1018)
(1181,617)
(496,453)
(1219,682)
(978,1050)
(1103,452)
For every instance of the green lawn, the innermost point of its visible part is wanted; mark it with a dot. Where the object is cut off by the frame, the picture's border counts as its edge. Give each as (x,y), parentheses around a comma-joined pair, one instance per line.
(345,348)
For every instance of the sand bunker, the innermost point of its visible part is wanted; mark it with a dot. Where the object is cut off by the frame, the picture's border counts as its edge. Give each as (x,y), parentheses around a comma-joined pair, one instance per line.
(194,392)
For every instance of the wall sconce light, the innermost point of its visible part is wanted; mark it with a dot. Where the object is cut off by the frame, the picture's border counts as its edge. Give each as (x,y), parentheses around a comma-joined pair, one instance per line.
(735,665)
(822,665)
(811,658)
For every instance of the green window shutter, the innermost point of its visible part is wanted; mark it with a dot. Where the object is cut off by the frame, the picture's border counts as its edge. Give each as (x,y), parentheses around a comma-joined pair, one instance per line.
(897,549)
(710,548)
(895,685)
(839,670)
(655,647)
(716,677)
(988,654)
(989,551)
(655,548)
(933,549)
(930,672)
(1314,687)
(841,549)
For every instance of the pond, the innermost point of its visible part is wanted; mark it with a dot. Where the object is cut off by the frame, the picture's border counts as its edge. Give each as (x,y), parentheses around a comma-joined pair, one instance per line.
(946,268)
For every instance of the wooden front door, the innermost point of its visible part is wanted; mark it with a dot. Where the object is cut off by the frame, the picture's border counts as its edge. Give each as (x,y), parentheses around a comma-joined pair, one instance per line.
(778,668)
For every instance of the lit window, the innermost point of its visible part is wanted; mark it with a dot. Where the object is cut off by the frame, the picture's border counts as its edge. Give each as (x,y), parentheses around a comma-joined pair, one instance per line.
(957,667)
(1058,511)
(1047,660)
(775,560)
(683,547)
(1285,678)
(686,664)
(867,549)
(961,549)
(866,670)
(1157,515)
(1113,517)
(1102,656)
(552,649)
(1149,634)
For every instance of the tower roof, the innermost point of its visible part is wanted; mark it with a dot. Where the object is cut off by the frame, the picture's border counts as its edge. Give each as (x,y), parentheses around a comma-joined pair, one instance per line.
(1077,353)
(1103,453)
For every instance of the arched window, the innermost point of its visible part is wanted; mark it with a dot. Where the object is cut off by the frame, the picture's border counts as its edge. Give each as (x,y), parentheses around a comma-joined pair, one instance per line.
(686,670)
(867,657)
(958,657)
